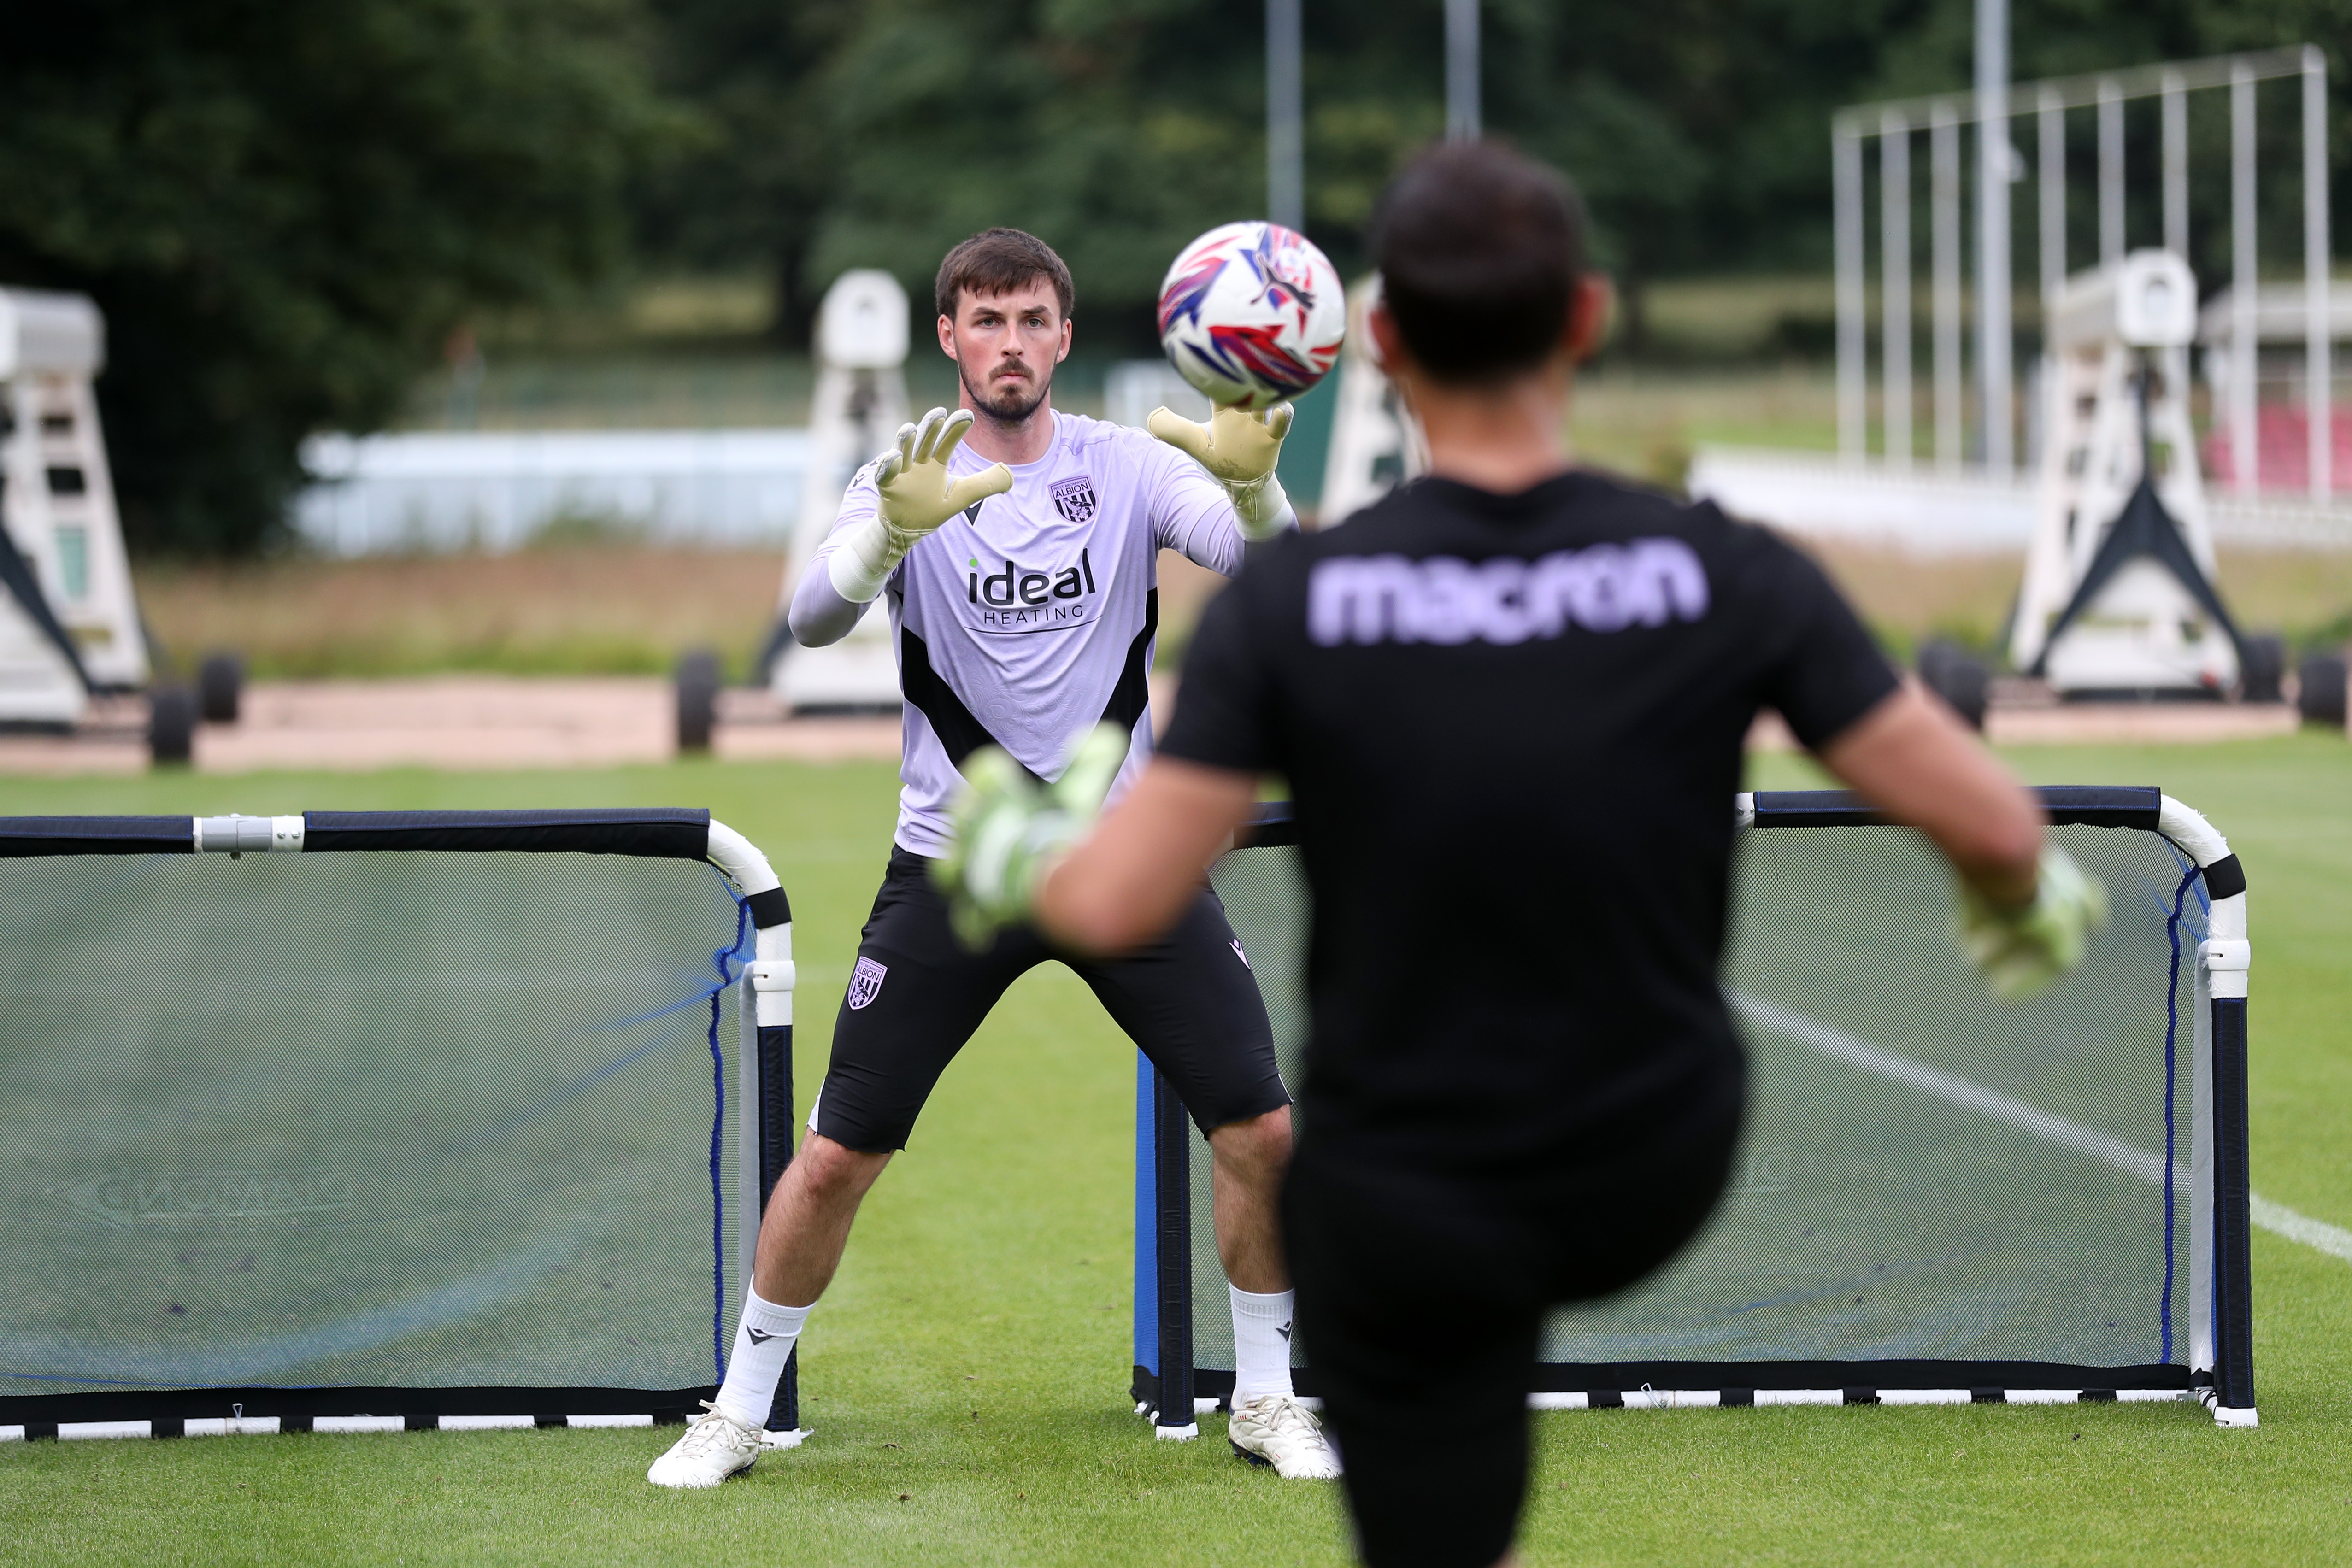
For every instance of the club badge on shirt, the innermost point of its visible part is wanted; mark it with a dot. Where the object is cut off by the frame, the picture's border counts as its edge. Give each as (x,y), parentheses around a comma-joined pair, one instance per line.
(866,982)
(1075,497)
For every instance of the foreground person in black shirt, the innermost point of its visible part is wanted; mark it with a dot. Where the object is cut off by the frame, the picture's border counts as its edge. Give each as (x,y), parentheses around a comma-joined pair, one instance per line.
(1510,700)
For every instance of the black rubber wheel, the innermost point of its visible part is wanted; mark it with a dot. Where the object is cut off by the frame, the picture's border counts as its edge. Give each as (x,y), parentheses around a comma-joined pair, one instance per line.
(2261,669)
(1957,676)
(780,642)
(220,687)
(698,699)
(2319,697)
(171,727)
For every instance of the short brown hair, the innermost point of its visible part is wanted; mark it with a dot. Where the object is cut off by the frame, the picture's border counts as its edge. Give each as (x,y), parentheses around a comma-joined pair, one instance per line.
(998,261)
(1479,248)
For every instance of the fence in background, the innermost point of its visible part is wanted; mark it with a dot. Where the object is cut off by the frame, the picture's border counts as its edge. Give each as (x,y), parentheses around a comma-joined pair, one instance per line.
(1872,501)
(498,490)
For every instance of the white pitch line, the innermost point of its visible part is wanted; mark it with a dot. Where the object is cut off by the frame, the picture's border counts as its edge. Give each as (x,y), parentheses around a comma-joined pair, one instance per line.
(2332,1239)
(1856,1051)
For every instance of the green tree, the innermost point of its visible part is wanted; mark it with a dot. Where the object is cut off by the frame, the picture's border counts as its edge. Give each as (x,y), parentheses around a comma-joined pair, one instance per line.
(752,187)
(284,210)
(1118,129)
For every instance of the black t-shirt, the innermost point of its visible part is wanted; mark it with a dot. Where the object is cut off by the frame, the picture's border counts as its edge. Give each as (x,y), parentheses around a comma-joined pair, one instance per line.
(1512,727)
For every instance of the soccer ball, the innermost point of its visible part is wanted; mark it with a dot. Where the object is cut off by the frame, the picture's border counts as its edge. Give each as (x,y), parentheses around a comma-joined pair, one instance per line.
(1252,314)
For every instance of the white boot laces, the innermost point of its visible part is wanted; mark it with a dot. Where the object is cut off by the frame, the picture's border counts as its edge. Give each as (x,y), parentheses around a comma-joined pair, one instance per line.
(707,1432)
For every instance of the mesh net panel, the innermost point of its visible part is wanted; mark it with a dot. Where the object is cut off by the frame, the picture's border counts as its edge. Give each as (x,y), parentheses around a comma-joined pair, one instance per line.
(363,1119)
(1928,1172)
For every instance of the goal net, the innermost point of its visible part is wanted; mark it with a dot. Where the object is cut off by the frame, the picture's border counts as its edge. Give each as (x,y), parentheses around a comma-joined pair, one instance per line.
(382,1118)
(1940,1195)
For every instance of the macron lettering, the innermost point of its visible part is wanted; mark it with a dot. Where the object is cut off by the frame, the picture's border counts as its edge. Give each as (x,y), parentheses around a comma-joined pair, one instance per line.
(1446,600)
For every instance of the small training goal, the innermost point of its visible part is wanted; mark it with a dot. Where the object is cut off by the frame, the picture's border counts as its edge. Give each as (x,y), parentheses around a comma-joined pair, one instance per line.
(382,1120)
(1942,1197)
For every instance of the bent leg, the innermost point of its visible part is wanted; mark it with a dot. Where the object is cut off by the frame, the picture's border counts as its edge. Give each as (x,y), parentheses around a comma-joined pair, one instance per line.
(1420,1319)
(806,1226)
(916,996)
(800,1239)
(1246,1183)
(1190,1004)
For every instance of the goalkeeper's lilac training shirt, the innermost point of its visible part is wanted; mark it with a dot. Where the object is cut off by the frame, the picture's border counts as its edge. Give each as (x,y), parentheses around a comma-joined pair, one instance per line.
(1030,617)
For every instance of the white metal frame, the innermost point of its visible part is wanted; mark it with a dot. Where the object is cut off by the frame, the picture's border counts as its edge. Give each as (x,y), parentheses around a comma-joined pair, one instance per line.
(1942,116)
(2146,632)
(59,512)
(859,404)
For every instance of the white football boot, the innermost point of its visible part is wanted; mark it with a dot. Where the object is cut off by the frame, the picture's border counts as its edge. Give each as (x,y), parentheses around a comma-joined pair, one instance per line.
(714,1448)
(1276,1430)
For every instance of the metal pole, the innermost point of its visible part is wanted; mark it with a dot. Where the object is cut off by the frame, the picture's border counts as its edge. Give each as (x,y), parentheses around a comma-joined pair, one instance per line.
(2111,171)
(2050,117)
(2176,165)
(1944,240)
(1285,141)
(1853,389)
(1462,71)
(1894,292)
(1172,1185)
(2318,397)
(2244,452)
(1994,158)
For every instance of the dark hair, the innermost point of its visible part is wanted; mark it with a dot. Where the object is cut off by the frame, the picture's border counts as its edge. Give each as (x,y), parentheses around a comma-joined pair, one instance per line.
(998,261)
(1479,248)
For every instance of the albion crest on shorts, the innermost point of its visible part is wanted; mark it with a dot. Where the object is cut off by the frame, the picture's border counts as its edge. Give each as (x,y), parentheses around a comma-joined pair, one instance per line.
(1075,497)
(866,982)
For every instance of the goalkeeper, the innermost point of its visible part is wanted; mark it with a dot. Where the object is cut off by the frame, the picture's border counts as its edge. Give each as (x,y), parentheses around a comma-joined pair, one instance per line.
(1014,548)
(1510,700)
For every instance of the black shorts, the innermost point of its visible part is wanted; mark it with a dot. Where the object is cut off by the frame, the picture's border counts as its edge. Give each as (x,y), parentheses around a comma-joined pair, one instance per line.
(1421,1299)
(916,994)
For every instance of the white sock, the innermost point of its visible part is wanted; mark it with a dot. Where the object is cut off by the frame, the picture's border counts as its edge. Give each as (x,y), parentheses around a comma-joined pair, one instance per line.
(763,1342)
(1261,1344)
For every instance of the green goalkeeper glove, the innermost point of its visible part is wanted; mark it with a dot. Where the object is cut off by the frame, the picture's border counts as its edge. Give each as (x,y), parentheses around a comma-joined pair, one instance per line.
(1009,831)
(1239,449)
(917,498)
(2023,949)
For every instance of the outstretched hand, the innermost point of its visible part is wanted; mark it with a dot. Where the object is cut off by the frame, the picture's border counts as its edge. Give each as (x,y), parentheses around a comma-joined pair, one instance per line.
(917,494)
(1010,830)
(1240,449)
(2024,949)
(1237,446)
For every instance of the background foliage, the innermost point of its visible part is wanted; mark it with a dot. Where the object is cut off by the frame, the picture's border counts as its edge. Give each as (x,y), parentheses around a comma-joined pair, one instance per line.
(286,211)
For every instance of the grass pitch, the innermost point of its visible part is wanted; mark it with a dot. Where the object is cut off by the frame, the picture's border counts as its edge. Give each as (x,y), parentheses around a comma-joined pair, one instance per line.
(965,1374)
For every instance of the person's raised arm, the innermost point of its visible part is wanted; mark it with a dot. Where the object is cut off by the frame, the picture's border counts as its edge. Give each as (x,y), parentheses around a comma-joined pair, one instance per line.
(1024,851)
(912,494)
(1239,450)
(1027,851)
(2026,911)
(1129,879)
(819,613)
(1915,762)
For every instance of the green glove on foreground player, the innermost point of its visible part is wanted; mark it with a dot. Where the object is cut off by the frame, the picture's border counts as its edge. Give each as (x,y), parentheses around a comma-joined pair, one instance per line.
(2023,949)
(1009,829)
(1239,449)
(916,496)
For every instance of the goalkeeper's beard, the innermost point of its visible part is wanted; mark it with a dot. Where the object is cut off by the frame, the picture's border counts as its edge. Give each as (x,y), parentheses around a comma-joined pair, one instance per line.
(1009,406)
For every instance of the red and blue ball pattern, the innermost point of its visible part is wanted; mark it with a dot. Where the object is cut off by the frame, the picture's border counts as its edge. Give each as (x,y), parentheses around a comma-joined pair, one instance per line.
(1252,314)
